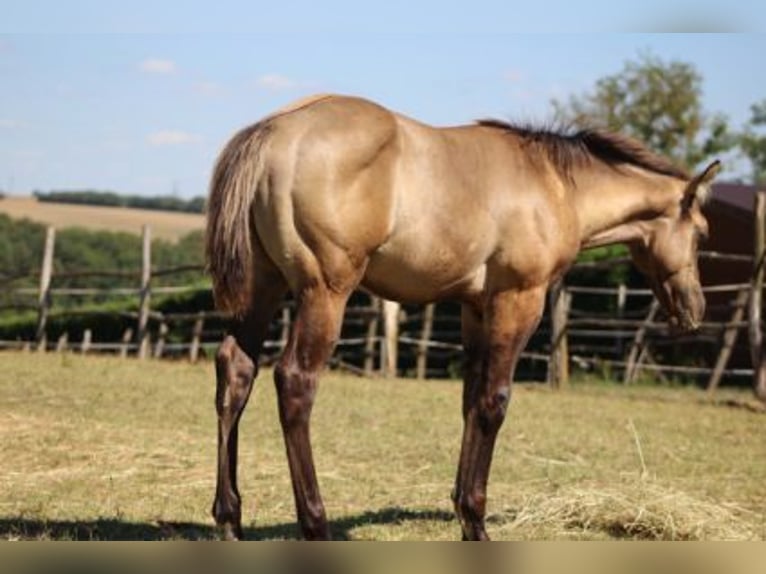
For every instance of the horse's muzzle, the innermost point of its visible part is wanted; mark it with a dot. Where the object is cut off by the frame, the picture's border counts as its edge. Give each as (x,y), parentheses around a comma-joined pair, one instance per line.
(688,309)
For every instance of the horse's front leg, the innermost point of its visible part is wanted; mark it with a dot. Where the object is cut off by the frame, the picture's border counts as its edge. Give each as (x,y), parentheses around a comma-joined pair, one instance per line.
(493,344)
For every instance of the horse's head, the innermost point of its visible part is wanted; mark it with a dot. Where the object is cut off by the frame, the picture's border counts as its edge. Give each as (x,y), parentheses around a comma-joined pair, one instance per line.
(667,253)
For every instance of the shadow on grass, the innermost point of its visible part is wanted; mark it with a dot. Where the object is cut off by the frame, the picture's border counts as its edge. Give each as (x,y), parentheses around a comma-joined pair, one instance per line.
(25,528)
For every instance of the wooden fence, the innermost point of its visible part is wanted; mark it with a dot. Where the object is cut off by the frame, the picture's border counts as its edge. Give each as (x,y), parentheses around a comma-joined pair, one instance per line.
(382,337)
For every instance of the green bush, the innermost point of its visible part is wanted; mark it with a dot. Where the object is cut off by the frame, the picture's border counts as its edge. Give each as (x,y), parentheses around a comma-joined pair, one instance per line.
(84,251)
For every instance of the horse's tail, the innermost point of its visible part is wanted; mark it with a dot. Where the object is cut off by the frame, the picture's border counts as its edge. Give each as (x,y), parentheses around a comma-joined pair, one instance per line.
(228,240)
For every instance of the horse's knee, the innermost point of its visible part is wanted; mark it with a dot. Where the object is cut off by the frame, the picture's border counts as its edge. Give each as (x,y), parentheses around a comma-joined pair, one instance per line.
(493,408)
(296,389)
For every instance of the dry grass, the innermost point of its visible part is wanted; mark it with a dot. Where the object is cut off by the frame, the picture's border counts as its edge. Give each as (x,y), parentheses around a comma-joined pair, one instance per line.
(110,449)
(642,510)
(165,224)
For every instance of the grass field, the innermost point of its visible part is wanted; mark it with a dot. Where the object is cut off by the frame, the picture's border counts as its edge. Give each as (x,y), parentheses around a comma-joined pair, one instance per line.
(117,449)
(165,224)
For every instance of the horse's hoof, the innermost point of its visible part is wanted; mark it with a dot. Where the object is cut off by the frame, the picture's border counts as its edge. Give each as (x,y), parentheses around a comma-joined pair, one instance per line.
(231,532)
(478,534)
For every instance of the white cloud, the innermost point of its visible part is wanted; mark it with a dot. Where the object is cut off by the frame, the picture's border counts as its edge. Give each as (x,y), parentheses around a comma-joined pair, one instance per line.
(8,123)
(276,82)
(514,76)
(172,137)
(209,89)
(157,66)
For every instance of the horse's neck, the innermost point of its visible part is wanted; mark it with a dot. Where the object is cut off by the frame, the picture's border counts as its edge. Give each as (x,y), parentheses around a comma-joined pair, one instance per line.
(616,206)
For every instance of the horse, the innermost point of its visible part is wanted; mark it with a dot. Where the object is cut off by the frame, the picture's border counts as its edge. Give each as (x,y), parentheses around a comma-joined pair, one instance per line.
(337,192)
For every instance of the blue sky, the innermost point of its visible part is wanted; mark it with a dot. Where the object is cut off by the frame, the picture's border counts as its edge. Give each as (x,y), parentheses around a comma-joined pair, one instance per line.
(147,113)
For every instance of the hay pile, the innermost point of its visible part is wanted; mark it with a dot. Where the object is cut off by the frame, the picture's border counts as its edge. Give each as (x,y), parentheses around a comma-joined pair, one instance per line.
(640,511)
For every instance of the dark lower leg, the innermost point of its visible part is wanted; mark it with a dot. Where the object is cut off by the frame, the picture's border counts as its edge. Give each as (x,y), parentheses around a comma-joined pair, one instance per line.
(236,369)
(235,372)
(470,494)
(510,320)
(311,342)
(296,396)
(473,373)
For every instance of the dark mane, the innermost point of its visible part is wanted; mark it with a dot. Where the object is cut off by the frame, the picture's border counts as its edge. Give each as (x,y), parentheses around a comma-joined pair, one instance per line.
(569,149)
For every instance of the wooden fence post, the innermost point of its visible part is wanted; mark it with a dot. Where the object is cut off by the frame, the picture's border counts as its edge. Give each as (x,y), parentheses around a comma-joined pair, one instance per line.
(622,297)
(44,298)
(144,306)
(87,338)
(637,348)
(199,325)
(729,340)
(390,337)
(62,343)
(371,337)
(756,295)
(125,342)
(425,337)
(558,364)
(159,347)
(284,332)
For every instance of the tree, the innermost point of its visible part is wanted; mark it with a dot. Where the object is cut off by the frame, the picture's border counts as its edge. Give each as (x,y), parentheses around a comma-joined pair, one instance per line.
(753,143)
(657,102)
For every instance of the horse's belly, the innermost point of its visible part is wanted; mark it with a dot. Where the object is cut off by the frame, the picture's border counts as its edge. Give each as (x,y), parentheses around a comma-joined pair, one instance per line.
(415,279)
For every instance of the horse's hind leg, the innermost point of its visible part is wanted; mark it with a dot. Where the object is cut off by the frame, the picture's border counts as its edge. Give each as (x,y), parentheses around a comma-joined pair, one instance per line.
(236,368)
(312,339)
(474,365)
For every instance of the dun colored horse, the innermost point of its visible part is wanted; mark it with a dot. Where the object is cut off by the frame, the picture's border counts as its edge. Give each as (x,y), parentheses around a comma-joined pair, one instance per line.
(337,192)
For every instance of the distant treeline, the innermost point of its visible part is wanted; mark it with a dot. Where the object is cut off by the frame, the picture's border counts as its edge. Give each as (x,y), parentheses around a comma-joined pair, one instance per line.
(110,198)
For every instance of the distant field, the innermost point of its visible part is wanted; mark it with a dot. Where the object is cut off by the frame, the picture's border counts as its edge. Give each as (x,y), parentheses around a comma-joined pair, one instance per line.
(97,447)
(165,224)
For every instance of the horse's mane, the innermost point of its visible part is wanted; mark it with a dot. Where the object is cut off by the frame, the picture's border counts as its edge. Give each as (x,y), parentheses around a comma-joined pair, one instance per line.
(567,149)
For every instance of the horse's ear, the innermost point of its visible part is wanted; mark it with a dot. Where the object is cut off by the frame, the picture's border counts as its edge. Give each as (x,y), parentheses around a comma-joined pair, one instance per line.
(699,187)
